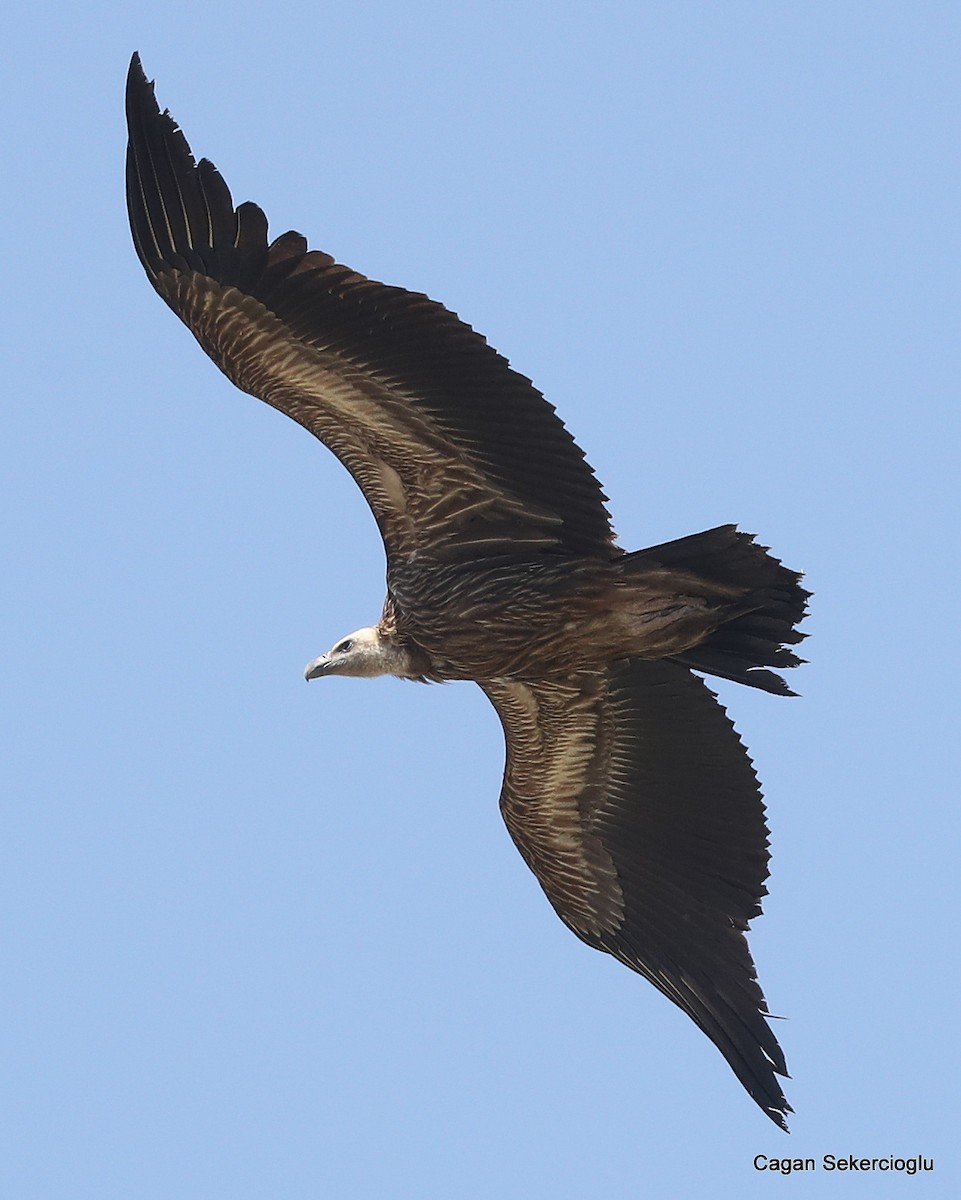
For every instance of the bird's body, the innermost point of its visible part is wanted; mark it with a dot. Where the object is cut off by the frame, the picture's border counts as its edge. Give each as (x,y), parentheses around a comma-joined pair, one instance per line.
(626,789)
(501,620)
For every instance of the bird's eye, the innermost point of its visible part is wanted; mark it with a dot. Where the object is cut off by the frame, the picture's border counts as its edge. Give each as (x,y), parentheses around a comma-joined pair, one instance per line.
(344,647)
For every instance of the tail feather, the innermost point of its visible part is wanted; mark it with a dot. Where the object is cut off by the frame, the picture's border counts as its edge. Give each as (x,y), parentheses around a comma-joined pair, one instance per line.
(761,601)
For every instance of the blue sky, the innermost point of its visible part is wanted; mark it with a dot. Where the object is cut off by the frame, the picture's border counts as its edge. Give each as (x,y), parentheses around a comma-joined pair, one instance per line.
(265,940)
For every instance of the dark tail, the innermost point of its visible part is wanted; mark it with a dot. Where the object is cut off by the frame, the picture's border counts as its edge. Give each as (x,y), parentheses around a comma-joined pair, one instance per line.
(764,598)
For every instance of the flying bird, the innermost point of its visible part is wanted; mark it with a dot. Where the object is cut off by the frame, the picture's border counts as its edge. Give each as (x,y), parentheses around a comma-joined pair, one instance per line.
(626,789)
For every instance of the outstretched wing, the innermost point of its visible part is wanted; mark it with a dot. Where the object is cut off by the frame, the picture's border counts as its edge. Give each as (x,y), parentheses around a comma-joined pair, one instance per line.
(459,456)
(634,802)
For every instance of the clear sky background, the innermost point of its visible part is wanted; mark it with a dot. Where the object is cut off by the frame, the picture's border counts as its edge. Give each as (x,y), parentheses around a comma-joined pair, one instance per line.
(270,940)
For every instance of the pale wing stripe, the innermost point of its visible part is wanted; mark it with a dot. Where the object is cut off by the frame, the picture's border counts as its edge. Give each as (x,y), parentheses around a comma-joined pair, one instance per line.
(366,425)
(549,736)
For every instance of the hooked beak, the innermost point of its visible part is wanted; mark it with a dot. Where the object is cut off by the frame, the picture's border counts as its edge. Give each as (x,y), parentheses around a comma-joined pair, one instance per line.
(317,668)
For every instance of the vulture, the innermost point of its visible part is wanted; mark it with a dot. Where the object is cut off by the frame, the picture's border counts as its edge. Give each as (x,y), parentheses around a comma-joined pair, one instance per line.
(626,788)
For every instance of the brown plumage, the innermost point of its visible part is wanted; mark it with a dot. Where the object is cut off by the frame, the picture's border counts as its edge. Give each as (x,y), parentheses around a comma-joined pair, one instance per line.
(626,790)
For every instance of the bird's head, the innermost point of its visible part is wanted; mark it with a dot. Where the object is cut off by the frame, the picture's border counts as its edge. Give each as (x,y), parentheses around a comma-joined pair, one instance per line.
(367,653)
(364,654)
